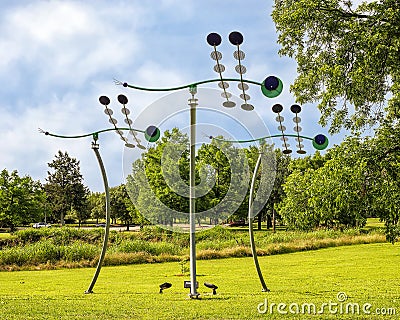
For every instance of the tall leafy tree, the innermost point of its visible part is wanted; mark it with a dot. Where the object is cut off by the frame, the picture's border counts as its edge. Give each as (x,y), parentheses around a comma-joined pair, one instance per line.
(97,205)
(22,200)
(119,205)
(64,187)
(347,55)
(160,179)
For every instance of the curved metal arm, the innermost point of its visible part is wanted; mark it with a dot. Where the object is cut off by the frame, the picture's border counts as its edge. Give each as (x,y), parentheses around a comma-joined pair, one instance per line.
(251,233)
(95,148)
(117,82)
(86,134)
(262,138)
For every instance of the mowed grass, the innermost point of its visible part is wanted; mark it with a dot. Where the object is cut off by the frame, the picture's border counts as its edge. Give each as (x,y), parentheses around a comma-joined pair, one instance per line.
(367,273)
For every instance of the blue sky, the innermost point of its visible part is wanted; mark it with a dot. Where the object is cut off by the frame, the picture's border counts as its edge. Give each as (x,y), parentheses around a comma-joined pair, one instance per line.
(58,57)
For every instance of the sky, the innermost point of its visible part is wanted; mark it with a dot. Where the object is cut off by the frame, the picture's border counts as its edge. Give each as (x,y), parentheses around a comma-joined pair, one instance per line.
(58,57)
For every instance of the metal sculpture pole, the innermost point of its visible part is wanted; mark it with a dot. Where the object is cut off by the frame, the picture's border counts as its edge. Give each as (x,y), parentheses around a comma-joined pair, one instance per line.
(251,218)
(192,194)
(151,134)
(95,148)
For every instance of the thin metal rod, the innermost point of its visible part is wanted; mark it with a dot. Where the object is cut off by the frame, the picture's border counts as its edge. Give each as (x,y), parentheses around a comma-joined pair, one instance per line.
(86,134)
(251,232)
(95,148)
(192,195)
(185,86)
(263,138)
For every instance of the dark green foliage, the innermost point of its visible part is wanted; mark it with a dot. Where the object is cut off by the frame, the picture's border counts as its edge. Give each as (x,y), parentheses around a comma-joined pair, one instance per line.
(347,56)
(22,200)
(65,191)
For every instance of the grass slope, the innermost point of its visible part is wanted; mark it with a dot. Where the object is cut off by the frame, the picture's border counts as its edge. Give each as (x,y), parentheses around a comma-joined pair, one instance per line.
(367,273)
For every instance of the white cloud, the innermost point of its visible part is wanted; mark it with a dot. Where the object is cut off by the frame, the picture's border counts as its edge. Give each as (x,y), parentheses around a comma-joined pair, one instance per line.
(58,57)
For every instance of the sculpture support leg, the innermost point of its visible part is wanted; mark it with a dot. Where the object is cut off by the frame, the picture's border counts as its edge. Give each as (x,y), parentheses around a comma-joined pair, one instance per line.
(95,148)
(192,196)
(251,218)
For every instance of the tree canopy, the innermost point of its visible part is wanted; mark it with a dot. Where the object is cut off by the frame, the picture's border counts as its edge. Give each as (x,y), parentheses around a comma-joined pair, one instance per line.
(64,188)
(348,58)
(22,200)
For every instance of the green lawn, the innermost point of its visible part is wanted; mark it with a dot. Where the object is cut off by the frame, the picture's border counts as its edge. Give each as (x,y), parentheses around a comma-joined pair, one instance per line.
(366,273)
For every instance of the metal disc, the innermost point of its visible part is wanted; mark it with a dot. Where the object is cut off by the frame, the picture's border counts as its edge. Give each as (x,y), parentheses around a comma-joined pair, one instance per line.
(245,96)
(229,104)
(238,55)
(300,145)
(128,121)
(277,108)
(223,85)
(287,151)
(113,120)
(301,151)
(108,112)
(105,101)
(226,95)
(141,147)
(243,86)
(279,119)
(240,69)
(297,129)
(122,99)
(125,111)
(284,138)
(247,107)
(214,39)
(219,68)
(236,38)
(129,145)
(297,119)
(216,55)
(298,139)
(295,108)
(281,128)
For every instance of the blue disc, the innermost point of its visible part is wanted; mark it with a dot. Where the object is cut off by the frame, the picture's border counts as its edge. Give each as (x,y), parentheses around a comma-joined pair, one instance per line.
(152,133)
(320,142)
(235,38)
(214,39)
(271,83)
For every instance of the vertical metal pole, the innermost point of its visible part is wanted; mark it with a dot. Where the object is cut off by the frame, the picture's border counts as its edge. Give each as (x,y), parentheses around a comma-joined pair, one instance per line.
(251,218)
(95,148)
(192,194)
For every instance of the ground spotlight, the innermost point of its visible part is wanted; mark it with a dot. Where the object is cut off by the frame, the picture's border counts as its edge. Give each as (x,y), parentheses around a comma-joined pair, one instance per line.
(165,285)
(211,286)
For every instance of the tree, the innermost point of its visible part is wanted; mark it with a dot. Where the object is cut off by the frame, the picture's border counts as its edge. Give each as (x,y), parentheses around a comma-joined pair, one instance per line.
(97,205)
(348,57)
(158,184)
(382,156)
(64,187)
(119,205)
(223,173)
(328,195)
(282,172)
(22,200)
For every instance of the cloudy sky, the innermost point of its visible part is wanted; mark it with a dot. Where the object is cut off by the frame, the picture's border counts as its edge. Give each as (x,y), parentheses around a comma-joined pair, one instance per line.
(58,57)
